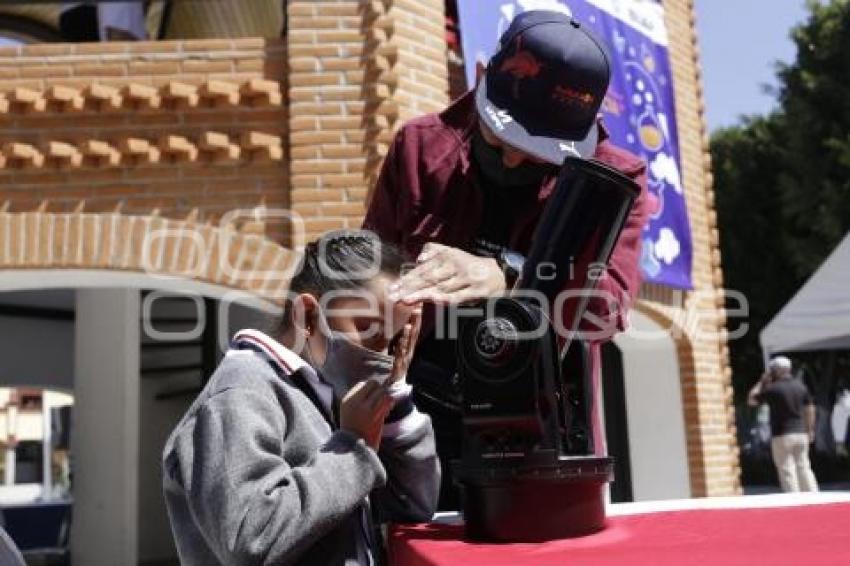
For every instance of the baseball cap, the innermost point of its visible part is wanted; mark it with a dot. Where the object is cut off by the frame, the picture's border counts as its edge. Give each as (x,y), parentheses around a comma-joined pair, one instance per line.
(543,88)
(779,362)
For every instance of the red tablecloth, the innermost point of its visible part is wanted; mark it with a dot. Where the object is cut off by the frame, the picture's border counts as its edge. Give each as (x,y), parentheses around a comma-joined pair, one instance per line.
(810,535)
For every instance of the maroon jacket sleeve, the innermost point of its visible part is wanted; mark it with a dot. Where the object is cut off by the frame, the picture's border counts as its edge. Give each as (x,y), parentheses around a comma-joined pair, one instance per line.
(390,200)
(617,289)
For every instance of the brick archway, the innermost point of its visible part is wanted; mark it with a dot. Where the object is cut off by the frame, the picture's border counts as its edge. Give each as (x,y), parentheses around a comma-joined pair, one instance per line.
(232,256)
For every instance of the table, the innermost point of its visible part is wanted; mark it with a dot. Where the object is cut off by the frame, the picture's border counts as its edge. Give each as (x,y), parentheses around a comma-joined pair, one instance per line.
(774,530)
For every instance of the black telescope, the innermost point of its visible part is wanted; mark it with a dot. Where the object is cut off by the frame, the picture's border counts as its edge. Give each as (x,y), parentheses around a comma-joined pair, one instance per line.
(528,472)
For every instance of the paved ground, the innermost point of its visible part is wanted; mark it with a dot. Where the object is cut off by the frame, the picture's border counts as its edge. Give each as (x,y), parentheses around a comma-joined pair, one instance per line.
(763,489)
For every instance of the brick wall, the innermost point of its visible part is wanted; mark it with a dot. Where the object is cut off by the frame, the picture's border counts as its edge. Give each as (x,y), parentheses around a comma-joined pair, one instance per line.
(194,129)
(238,257)
(173,126)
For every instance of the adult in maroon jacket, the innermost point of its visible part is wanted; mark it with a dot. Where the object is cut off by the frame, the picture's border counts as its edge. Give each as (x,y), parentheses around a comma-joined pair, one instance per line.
(463,190)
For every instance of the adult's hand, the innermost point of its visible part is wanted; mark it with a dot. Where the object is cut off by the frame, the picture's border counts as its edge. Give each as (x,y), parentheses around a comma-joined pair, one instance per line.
(363,409)
(449,276)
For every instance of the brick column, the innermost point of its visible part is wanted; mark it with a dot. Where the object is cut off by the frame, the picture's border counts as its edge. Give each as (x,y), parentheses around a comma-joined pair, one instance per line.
(407,74)
(357,70)
(326,46)
(706,376)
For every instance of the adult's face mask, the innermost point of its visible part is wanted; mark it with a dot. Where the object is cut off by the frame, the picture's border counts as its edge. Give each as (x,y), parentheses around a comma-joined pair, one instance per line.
(347,364)
(494,172)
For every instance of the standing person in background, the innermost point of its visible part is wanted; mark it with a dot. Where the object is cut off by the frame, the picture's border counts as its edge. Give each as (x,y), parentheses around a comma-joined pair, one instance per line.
(792,424)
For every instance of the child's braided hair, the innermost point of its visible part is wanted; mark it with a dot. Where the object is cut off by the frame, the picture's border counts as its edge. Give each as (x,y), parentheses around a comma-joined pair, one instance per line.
(342,260)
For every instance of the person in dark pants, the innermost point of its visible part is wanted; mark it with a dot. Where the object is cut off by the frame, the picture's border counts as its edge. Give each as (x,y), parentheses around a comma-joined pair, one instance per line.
(792,424)
(464,189)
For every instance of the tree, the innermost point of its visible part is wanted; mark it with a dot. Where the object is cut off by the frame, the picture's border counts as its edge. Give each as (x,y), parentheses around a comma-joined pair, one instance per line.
(751,235)
(815,98)
(783,180)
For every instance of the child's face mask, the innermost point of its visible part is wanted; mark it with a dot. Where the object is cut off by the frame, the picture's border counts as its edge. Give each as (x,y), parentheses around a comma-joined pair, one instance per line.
(347,363)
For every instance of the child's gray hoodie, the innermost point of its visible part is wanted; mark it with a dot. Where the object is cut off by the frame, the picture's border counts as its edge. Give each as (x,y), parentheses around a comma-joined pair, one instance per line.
(254,474)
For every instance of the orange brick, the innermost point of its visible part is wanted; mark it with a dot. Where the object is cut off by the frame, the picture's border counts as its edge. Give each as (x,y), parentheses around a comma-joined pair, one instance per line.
(339,36)
(298,138)
(343,93)
(206,66)
(342,180)
(343,209)
(250,65)
(305,152)
(308,209)
(313,51)
(299,123)
(357,193)
(316,109)
(347,64)
(299,182)
(46,49)
(316,195)
(341,122)
(100,48)
(159,46)
(322,166)
(341,151)
(100,69)
(232,76)
(313,23)
(339,9)
(154,68)
(314,79)
(207,45)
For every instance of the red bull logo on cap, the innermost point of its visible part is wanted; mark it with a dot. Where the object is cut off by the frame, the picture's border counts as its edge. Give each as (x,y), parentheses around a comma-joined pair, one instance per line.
(568,95)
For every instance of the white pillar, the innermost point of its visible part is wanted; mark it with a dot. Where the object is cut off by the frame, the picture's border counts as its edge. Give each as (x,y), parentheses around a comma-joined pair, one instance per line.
(12,443)
(658,448)
(9,475)
(46,448)
(105,433)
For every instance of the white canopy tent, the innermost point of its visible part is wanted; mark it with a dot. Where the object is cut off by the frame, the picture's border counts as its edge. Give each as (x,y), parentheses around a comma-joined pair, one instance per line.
(818,316)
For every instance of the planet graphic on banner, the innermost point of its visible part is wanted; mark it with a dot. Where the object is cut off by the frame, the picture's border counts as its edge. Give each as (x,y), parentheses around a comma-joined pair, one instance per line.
(649,131)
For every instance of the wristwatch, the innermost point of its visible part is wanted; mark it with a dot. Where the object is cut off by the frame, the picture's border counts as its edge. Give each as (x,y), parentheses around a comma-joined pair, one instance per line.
(511,263)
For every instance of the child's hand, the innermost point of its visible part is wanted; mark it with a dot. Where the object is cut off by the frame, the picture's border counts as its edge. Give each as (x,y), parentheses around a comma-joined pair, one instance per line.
(363,410)
(403,351)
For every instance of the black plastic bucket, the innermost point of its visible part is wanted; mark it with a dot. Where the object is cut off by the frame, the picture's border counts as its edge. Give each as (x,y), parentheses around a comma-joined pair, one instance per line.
(564,500)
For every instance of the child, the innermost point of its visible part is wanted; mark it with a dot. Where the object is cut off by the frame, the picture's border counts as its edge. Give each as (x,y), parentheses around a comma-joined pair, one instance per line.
(299,437)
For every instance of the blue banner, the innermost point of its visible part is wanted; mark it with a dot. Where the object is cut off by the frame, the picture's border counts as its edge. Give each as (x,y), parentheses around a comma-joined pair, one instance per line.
(639,110)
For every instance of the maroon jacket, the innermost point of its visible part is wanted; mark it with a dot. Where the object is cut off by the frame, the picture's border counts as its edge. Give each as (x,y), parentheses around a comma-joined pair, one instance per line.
(428,192)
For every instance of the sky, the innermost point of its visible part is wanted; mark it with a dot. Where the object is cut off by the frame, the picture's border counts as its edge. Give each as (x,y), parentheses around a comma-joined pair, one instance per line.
(740,41)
